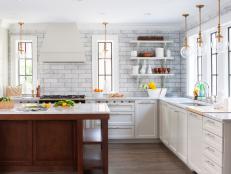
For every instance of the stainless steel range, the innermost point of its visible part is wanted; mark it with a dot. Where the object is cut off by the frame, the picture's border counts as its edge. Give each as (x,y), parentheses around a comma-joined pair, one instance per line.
(54,98)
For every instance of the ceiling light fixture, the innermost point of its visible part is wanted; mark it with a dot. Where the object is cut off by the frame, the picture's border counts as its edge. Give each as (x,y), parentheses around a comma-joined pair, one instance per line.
(185,49)
(199,39)
(218,34)
(20,46)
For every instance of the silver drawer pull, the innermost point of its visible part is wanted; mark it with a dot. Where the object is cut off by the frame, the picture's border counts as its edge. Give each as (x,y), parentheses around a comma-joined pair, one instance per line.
(210,149)
(211,122)
(211,164)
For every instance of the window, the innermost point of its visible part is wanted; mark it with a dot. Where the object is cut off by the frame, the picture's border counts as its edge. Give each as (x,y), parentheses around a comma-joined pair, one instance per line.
(24,63)
(213,64)
(199,64)
(105,70)
(105,66)
(229,59)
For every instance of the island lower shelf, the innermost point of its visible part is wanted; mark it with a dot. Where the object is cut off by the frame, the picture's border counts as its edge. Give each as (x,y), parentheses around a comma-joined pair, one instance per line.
(51,145)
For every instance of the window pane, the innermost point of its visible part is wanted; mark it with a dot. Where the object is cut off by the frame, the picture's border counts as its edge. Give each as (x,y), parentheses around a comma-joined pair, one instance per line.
(101,82)
(101,67)
(230,62)
(29,79)
(29,50)
(108,83)
(22,67)
(108,67)
(214,85)
(214,64)
(21,80)
(108,50)
(28,67)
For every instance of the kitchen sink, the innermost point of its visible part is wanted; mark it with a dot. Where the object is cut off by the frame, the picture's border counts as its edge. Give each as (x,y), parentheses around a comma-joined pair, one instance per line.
(194,104)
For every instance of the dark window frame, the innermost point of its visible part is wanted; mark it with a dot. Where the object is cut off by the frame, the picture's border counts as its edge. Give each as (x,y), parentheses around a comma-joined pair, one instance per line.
(99,58)
(213,53)
(25,59)
(229,61)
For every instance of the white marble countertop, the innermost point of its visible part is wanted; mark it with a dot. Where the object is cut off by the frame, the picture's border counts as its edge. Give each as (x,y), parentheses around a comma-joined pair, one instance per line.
(222,117)
(91,108)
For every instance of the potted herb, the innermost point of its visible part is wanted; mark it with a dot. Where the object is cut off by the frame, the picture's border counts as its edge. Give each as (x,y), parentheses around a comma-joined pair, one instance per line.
(6,103)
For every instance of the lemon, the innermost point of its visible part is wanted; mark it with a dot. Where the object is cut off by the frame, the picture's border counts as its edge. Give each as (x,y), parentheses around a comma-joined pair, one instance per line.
(152,85)
(64,104)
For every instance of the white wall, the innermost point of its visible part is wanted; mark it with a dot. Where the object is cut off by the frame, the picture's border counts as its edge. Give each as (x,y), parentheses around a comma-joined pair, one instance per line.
(3,59)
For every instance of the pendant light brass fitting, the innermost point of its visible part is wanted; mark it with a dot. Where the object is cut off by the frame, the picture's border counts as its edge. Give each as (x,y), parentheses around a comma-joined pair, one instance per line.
(185,44)
(20,49)
(218,34)
(199,39)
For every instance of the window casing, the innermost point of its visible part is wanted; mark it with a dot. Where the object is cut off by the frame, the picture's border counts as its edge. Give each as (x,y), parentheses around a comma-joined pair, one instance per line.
(229,60)
(105,67)
(213,64)
(24,63)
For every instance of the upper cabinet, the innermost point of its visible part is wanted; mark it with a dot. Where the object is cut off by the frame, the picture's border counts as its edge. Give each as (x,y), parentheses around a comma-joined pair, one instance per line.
(62,44)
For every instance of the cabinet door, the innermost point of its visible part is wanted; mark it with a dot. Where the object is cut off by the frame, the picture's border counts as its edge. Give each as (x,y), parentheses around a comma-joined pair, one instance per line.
(173,118)
(182,147)
(146,119)
(165,124)
(195,144)
(161,120)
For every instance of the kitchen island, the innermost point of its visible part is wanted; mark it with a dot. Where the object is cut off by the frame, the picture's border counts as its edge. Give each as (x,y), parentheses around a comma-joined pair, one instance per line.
(54,140)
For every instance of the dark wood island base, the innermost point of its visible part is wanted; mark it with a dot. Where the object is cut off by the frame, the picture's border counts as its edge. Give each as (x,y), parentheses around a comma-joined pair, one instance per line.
(53,143)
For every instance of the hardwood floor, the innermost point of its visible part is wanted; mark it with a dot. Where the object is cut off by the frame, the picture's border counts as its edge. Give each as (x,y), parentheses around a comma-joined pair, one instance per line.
(139,158)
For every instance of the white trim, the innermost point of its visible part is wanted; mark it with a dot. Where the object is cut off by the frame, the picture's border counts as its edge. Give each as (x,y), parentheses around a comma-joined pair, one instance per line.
(115,59)
(14,67)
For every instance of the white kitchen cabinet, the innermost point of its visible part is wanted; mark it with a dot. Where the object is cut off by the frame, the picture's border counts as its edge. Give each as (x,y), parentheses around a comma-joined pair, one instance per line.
(182,135)
(173,132)
(164,123)
(146,119)
(195,142)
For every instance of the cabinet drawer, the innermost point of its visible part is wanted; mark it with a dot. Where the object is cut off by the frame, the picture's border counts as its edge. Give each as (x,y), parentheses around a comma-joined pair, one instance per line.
(210,167)
(121,119)
(121,132)
(121,107)
(213,140)
(212,154)
(213,126)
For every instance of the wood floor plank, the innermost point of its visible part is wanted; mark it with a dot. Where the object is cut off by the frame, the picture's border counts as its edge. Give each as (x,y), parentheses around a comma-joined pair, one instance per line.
(138,158)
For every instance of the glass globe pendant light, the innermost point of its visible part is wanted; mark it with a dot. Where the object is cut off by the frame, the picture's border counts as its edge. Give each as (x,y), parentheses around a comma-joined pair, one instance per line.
(219,37)
(185,50)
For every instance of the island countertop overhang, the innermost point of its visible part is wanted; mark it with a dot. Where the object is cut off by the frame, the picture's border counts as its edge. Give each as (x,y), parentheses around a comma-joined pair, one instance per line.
(79,111)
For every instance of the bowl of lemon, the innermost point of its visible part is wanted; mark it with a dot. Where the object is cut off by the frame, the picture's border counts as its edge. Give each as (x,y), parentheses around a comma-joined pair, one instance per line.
(64,104)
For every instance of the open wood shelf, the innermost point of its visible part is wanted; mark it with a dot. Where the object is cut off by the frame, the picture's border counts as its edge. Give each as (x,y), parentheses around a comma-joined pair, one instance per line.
(151,41)
(152,58)
(92,136)
(92,158)
(151,75)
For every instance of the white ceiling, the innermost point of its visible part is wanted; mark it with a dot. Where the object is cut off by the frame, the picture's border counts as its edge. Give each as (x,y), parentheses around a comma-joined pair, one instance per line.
(113,11)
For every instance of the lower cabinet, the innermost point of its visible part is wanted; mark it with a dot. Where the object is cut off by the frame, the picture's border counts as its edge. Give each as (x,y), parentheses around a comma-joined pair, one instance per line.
(146,119)
(174,129)
(132,119)
(195,142)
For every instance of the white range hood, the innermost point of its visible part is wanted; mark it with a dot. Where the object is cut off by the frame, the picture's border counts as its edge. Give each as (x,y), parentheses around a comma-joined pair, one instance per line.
(62,44)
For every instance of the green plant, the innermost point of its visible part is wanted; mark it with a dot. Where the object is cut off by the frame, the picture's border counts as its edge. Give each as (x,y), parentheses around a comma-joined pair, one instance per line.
(5,99)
